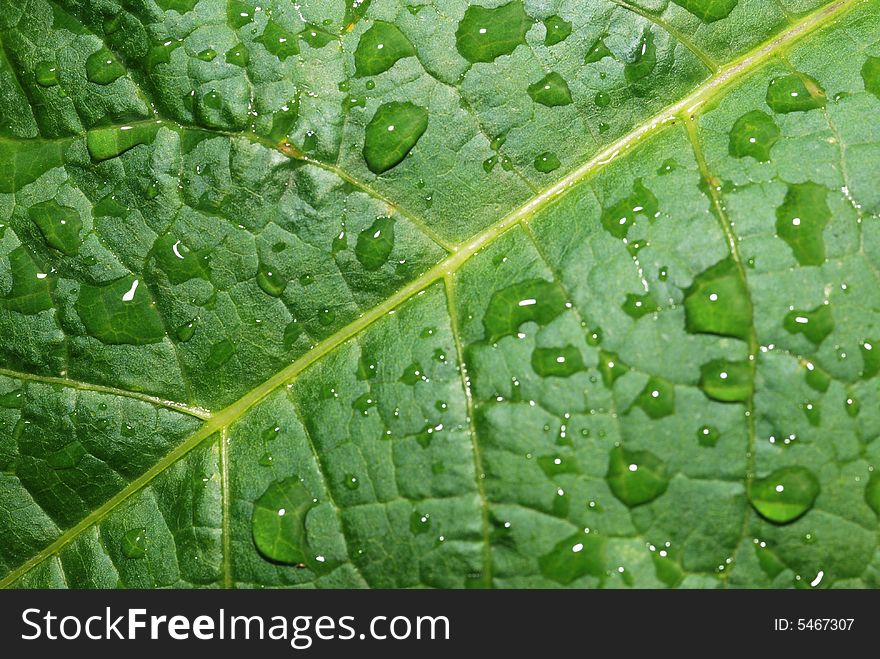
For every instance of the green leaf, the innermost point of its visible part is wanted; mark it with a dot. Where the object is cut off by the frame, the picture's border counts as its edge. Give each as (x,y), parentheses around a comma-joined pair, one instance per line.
(382,295)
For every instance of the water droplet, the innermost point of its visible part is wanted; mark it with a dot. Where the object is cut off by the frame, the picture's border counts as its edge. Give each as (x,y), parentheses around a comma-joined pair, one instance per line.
(726,381)
(379,49)
(186,331)
(784,495)
(533,300)
(708,435)
(278,524)
(801,220)
(31,290)
(221,352)
(812,412)
(577,556)
(708,11)
(278,41)
(597,51)
(816,324)
(238,55)
(872,492)
(795,93)
(668,165)
(636,477)
(12,399)
(363,403)
(270,280)
(621,216)
(870,350)
(120,312)
(611,367)
(375,244)
(547,162)
(315,36)
(110,142)
(46,74)
(161,53)
(553,465)
(419,522)
(207,55)
(557,30)
(602,99)
(392,133)
(717,302)
(412,374)
(657,399)
(753,134)
(60,225)
(134,543)
(351,482)
(239,13)
(636,306)
(551,90)
(557,362)
(177,261)
(66,457)
(102,67)
(871,75)
(642,59)
(266,460)
(852,405)
(485,34)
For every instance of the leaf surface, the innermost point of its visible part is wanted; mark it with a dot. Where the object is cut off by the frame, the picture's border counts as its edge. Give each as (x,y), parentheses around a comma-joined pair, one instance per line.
(568,294)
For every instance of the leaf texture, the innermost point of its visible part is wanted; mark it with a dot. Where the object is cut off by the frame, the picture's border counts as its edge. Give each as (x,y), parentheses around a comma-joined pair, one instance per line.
(399,294)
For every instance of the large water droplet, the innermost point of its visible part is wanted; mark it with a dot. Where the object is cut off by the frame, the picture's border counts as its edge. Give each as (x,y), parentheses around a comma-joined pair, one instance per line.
(278,524)
(547,162)
(598,51)
(726,381)
(102,67)
(31,290)
(177,261)
(238,55)
(392,133)
(120,312)
(717,302)
(872,493)
(642,60)
(375,244)
(270,280)
(557,30)
(46,74)
(816,324)
(795,93)
(577,556)
(60,225)
(278,41)
(801,220)
(484,34)
(708,435)
(557,362)
(657,399)
(708,11)
(533,300)
(134,543)
(871,75)
(104,143)
(221,352)
(784,495)
(379,49)
(67,457)
(611,367)
(551,90)
(621,216)
(753,134)
(636,477)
